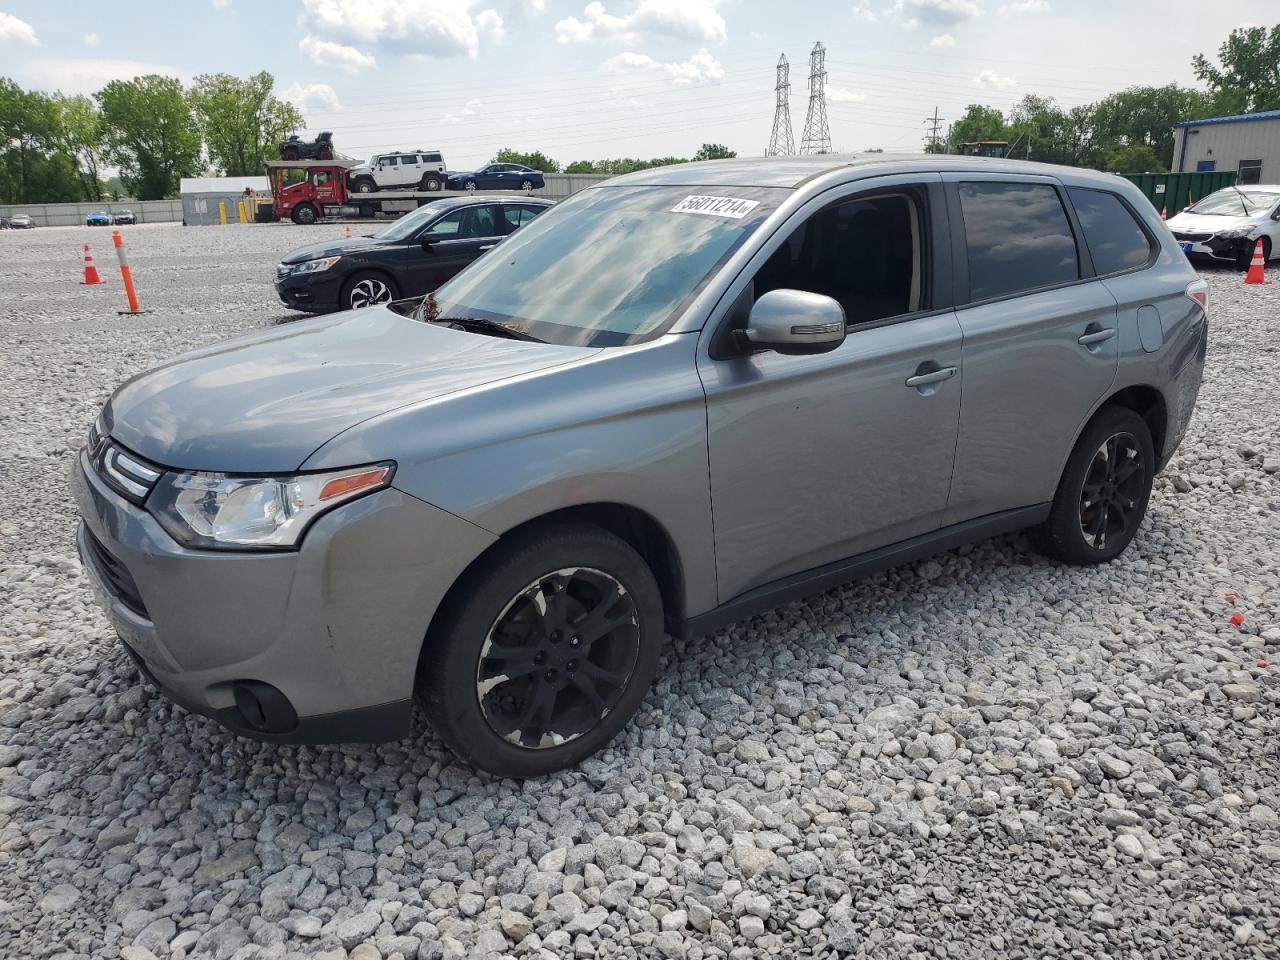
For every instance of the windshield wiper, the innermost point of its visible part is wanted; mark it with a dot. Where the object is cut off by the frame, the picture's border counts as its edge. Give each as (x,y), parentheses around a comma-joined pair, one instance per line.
(485,325)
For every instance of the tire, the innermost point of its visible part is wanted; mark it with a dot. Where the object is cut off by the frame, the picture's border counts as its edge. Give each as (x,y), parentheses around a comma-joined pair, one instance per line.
(325,154)
(365,185)
(305,214)
(291,154)
(431,182)
(1245,257)
(1096,526)
(367,288)
(470,186)
(482,712)
(526,186)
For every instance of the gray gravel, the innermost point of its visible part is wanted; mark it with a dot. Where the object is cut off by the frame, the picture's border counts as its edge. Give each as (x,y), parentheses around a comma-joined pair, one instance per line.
(982,755)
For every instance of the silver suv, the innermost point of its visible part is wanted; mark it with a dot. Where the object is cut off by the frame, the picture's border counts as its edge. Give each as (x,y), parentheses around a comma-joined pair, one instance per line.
(676,399)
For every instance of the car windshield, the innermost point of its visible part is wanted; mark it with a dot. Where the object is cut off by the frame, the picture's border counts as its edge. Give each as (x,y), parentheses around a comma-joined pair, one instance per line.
(409,224)
(612,265)
(1235,203)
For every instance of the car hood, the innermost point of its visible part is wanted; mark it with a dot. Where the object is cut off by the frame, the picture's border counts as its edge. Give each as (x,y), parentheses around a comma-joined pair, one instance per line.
(264,403)
(1191,222)
(332,248)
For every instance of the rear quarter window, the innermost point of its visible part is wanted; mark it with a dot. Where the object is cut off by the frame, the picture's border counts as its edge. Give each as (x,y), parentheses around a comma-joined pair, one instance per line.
(1115,240)
(1018,237)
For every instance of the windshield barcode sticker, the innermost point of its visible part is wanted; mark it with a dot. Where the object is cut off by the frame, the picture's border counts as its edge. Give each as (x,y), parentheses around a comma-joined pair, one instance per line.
(731,207)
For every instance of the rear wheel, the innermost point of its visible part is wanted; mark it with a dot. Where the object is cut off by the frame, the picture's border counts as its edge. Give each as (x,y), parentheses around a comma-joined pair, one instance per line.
(305,214)
(470,186)
(546,652)
(367,289)
(290,153)
(526,186)
(365,185)
(431,182)
(1103,494)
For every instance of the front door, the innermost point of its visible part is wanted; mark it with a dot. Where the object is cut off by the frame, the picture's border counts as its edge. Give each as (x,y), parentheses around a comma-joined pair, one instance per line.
(1041,343)
(449,244)
(818,458)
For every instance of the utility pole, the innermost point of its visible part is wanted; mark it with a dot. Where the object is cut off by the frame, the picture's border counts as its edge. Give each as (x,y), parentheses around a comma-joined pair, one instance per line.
(817,136)
(780,142)
(934,126)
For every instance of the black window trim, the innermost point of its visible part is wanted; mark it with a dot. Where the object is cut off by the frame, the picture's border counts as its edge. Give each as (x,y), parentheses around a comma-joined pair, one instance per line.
(1153,245)
(937,270)
(960,242)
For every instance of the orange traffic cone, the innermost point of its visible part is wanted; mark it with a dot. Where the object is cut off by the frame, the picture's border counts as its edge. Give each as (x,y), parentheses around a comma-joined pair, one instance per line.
(1255,274)
(90,271)
(348,231)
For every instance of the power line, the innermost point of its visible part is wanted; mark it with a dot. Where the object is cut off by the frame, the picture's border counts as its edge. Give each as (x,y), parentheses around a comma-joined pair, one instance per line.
(817,135)
(780,142)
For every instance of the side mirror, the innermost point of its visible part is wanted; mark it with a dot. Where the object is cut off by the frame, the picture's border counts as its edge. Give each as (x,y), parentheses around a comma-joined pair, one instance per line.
(429,240)
(795,322)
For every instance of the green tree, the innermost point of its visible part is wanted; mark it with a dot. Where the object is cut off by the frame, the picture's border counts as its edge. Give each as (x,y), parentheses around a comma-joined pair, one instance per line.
(979,123)
(152,134)
(28,130)
(241,120)
(714,151)
(537,159)
(581,166)
(1144,116)
(1135,158)
(1248,79)
(81,136)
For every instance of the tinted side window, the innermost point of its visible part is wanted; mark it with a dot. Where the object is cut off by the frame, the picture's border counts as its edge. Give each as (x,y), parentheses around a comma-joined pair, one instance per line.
(1018,237)
(1115,240)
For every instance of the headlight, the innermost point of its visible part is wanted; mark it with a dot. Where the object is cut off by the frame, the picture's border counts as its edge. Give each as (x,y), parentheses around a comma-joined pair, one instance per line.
(1237,233)
(218,511)
(315,266)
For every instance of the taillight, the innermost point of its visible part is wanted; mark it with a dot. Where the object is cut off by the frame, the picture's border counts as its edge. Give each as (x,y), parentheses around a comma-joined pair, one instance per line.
(1198,291)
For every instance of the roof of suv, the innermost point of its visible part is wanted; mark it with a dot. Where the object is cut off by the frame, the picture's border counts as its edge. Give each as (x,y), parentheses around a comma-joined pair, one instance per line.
(796,171)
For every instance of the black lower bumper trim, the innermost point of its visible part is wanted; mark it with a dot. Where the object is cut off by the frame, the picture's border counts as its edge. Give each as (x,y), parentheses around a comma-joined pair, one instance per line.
(376,724)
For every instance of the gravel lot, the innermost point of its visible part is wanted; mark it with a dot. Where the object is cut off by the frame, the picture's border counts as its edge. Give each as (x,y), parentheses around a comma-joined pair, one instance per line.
(981,755)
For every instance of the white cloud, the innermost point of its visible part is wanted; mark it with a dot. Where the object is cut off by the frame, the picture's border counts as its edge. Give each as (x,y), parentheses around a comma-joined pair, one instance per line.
(934,13)
(88,76)
(701,66)
(319,97)
(330,54)
(221,4)
(11,28)
(535,7)
(865,13)
(838,94)
(993,80)
(469,109)
(92,40)
(943,41)
(681,19)
(1025,6)
(431,28)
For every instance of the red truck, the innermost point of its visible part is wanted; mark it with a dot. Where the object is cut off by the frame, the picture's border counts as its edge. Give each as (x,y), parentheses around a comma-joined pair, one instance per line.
(324,192)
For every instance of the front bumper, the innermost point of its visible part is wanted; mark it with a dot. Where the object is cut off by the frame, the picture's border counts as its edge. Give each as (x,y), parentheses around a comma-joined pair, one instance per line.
(1214,247)
(312,292)
(327,637)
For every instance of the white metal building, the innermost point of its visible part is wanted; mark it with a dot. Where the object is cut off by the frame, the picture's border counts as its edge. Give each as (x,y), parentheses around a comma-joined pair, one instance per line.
(201,196)
(1249,144)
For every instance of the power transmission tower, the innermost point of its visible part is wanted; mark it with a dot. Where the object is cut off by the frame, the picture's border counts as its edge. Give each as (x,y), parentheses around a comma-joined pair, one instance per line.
(935,142)
(780,142)
(817,137)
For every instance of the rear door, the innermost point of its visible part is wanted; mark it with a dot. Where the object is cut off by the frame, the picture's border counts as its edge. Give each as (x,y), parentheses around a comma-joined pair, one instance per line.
(410,170)
(1040,339)
(450,243)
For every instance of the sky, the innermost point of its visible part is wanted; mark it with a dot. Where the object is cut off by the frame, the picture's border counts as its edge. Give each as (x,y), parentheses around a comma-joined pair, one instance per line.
(615,78)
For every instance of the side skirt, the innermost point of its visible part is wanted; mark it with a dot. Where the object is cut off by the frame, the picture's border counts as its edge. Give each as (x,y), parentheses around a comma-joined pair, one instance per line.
(800,585)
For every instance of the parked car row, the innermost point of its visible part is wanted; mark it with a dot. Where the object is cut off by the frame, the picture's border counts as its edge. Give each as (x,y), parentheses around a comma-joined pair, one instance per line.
(101,218)
(425,170)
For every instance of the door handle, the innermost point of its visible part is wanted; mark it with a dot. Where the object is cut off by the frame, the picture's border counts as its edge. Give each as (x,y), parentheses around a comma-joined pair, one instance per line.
(1097,336)
(936,376)
(488,246)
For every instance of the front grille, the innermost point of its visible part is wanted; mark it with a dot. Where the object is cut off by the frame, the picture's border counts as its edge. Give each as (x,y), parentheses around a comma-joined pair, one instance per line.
(116,577)
(1192,237)
(124,472)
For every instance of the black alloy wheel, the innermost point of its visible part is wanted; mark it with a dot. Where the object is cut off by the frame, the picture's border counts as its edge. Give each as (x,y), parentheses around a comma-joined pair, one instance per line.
(1113,487)
(1104,490)
(543,650)
(558,658)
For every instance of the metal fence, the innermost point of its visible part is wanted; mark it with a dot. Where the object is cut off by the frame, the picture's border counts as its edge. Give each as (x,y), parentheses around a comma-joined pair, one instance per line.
(559,186)
(1173,191)
(73,214)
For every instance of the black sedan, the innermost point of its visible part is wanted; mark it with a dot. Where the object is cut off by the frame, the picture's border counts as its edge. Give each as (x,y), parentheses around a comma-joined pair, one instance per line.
(408,257)
(497,176)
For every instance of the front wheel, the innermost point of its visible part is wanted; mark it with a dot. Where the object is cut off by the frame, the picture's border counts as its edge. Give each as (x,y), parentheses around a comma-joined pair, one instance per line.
(367,289)
(545,653)
(1245,257)
(305,214)
(1103,494)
